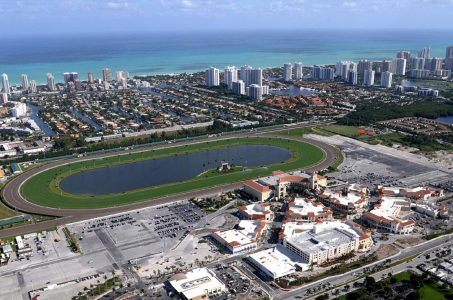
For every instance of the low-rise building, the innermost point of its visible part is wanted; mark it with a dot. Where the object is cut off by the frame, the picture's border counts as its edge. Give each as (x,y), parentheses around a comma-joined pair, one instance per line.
(388,215)
(433,210)
(243,239)
(197,284)
(344,202)
(417,193)
(277,262)
(277,185)
(308,210)
(256,211)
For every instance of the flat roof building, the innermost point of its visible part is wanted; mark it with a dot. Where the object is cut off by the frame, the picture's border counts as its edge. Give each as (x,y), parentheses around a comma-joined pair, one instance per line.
(328,241)
(277,262)
(197,284)
(345,202)
(308,210)
(388,215)
(243,239)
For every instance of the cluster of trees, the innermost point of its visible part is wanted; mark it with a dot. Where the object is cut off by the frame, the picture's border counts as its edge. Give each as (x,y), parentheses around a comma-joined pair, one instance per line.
(390,289)
(67,145)
(367,114)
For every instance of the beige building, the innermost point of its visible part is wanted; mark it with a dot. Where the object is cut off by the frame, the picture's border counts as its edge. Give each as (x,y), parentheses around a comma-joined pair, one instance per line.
(328,241)
(388,215)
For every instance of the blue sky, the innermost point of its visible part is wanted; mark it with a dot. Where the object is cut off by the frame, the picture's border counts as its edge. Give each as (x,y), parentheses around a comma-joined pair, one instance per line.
(67,16)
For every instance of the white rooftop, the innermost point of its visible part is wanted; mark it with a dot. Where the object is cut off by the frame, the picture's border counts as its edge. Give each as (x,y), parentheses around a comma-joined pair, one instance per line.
(256,209)
(195,283)
(303,206)
(312,242)
(351,197)
(244,236)
(278,261)
(389,207)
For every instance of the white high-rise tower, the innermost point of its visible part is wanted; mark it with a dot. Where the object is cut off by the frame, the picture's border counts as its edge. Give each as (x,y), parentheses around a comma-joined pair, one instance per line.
(25,82)
(212,77)
(298,70)
(5,83)
(287,72)
(230,75)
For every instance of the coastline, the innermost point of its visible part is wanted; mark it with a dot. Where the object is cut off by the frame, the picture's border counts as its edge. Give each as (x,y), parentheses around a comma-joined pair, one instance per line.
(157,54)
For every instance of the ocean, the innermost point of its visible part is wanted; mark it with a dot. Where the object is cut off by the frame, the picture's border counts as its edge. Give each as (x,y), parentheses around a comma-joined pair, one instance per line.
(165,53)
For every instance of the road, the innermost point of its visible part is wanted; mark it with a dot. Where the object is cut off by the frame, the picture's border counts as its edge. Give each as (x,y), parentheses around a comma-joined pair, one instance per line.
(339,280)
(12,197)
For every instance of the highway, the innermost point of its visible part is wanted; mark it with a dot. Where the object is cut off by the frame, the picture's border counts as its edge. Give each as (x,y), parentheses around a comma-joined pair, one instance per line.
(12,197)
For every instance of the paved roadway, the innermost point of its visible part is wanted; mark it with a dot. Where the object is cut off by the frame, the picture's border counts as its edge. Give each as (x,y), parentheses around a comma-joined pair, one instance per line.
(12,197)
(350,276)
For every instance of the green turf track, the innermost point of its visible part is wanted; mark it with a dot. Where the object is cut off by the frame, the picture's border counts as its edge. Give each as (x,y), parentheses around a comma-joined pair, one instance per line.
(44,189)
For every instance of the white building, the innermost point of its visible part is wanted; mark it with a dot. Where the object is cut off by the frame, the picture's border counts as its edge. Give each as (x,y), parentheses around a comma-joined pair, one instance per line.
(322,73)
(51,82)
(363,65)
(386,79)
(197,284)
(368,78)
(238,87)
(400,66)
(256,211)
(287,72)
(449,58)
(33,87)
(241,240)
(19,110)
(417,63)
(230,76)
(433,210)
(256,76)
(5,83)
(107,75)
(120,75)
(389,214)
(277,262)
(328,241)
(352,77)
(3,98)
(298,70)
(255,92)
(342,68)
(307,210)
(70,77)
(251,75)
(25,82)
(416,193)
(212,77)
(90,77)
(350,203)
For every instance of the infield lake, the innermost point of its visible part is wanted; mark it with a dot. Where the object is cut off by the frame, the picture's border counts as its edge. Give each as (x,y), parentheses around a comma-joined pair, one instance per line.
(173,169)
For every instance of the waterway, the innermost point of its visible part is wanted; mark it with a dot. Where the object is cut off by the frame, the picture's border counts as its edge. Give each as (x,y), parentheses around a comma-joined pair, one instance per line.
(448,119)
(127,177)
(86,119)
(40,122)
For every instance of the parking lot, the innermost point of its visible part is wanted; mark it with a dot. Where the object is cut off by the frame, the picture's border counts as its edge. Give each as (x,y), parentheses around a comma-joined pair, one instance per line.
(139,233)
(236,283)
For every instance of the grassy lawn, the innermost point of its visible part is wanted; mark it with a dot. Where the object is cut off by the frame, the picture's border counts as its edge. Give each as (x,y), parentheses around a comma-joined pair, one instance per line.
(44,188)
(295,131)
(430,292)
(5,212)
(406,275)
